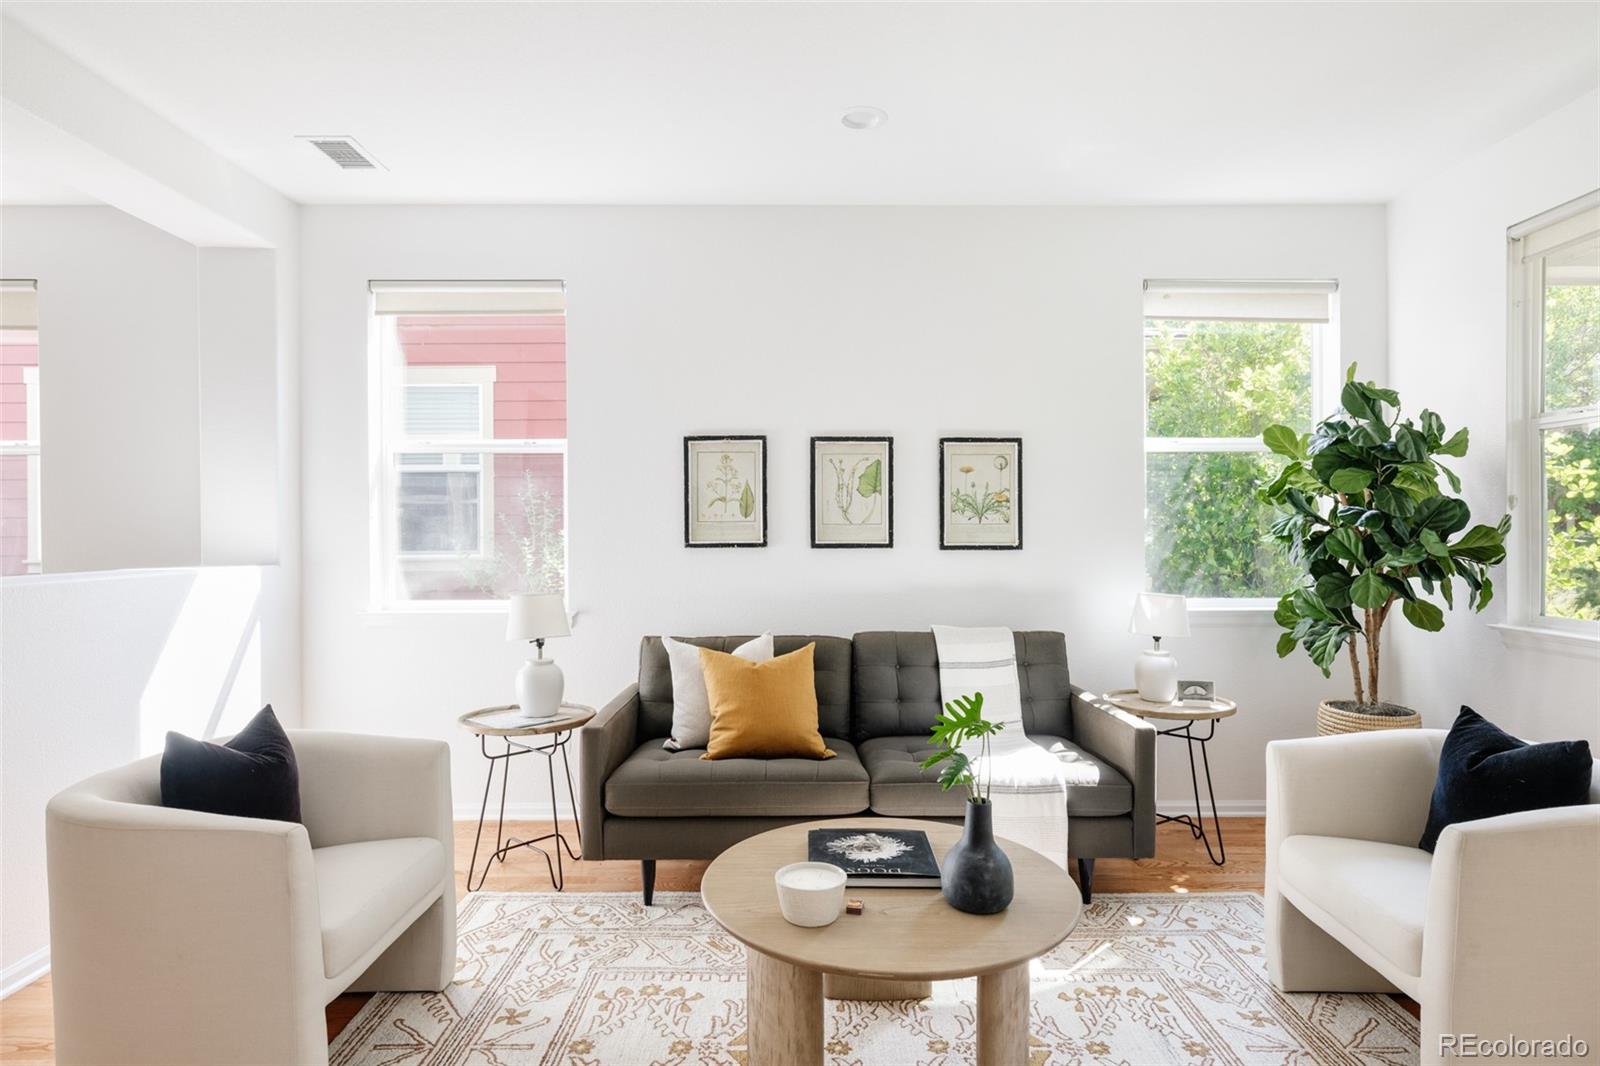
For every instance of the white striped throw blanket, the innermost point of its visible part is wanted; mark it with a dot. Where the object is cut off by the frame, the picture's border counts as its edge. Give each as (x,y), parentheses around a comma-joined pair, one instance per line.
(1026,783)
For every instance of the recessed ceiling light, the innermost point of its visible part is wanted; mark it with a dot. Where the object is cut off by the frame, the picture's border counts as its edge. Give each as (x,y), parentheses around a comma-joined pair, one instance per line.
(864,118)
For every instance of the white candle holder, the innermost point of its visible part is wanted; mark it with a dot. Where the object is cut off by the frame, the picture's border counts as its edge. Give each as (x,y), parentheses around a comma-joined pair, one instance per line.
(810,894)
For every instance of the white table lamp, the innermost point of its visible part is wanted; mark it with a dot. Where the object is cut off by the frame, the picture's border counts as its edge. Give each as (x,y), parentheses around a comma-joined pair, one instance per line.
(534,617)
(1157,614)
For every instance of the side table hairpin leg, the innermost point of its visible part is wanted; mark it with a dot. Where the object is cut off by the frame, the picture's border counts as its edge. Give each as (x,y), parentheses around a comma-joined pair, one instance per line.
(503,846)
(1197,824)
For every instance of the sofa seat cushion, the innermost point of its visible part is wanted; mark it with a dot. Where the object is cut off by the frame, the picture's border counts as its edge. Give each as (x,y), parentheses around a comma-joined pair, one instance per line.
(1373,893)
(902,789)
(656,783)
(365,889)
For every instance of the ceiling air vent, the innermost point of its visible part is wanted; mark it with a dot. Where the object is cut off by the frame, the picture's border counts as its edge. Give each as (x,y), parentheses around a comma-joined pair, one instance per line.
(345,152)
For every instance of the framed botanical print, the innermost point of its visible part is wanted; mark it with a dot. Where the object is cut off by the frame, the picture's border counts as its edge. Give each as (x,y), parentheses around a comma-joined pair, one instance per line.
(852,492)
(980,492)
(725,492)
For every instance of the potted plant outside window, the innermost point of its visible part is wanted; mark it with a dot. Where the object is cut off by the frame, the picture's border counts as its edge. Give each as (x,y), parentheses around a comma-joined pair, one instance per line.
(1363,516)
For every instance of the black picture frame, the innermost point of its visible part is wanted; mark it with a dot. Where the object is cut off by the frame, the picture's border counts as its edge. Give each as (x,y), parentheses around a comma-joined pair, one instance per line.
(888,443)
(688,490)
(1016,491)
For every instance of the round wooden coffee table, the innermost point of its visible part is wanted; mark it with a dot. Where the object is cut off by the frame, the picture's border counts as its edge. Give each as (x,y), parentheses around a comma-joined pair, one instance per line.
(907,938)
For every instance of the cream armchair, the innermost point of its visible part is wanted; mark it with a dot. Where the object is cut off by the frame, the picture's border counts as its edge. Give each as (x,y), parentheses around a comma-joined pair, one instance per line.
(180,937)
(1496,934)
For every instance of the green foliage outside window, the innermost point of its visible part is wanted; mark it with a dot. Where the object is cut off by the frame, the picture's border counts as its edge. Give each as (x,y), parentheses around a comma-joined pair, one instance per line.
(1206,532)
(1572,456)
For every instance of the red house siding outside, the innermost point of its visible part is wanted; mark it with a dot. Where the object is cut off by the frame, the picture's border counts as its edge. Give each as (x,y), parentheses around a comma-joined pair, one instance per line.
(18,349)
(529,356)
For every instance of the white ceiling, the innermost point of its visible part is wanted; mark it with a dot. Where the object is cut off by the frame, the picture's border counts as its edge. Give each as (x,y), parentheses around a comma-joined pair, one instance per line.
(991,103)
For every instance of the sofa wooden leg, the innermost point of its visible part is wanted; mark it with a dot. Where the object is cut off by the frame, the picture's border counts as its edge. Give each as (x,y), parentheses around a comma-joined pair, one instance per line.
(1086,879)
(647,878)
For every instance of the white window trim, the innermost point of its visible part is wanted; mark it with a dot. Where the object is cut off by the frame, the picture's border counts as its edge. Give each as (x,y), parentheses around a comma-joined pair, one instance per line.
(30,387)
(384,403)
(1326,372)
(29,449)
(1526,421)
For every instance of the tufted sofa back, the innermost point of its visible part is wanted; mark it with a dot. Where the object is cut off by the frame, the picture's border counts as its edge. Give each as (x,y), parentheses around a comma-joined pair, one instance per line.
(895,683)
(878,684)
(831,663)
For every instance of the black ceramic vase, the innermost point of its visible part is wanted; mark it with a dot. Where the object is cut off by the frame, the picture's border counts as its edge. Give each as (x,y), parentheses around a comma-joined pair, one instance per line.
(977,874)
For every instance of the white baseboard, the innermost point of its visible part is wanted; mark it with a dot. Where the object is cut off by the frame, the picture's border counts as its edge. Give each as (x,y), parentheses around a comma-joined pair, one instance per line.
(25,971)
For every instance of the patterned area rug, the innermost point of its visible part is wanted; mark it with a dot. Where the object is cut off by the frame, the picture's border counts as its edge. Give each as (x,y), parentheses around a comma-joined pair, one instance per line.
(598,979)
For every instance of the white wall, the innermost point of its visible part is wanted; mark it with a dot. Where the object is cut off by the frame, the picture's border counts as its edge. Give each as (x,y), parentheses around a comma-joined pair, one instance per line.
(158,391)
(157,383)
(94,669)
(237,340)
(119,385)
(918,322)
(1447,340)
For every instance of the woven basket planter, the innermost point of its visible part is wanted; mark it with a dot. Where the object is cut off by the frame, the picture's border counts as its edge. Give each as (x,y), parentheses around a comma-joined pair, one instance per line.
(1332,720)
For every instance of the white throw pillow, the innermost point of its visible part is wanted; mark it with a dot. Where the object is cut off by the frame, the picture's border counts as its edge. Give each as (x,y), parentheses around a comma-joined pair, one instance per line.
(691,706)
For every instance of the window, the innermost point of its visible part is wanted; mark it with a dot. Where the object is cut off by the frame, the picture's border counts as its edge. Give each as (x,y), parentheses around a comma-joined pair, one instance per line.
(19,429)
(1223,361)
(470,464)
(1554,439)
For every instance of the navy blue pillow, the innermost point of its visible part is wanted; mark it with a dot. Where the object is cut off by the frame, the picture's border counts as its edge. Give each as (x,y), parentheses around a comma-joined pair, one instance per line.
(1485,771)
(254,775)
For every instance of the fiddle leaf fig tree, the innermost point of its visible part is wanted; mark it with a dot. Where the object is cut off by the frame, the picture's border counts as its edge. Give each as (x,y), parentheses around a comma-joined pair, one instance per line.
(1362,514)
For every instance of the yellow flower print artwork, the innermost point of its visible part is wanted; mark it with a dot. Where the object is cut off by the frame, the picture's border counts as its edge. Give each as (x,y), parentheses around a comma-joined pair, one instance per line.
(980,492)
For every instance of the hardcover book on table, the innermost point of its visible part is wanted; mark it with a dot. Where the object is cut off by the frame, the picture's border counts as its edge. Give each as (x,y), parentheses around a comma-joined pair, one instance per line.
(877,858)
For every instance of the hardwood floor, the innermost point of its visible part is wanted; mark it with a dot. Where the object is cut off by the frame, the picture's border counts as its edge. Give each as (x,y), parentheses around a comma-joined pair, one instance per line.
(1180,866)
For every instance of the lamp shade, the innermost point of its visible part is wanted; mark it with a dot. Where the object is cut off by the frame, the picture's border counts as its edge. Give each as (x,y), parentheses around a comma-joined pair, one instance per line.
(1158,614)
(537,615)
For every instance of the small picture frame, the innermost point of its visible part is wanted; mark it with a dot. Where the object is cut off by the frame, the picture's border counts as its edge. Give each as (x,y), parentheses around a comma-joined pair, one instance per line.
(852,492)
(1199,691)
(725,492)
(980,493)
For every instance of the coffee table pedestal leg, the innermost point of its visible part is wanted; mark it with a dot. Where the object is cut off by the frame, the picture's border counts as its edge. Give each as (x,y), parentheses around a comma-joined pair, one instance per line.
(1003,1016)
(783,1004)
(873,989)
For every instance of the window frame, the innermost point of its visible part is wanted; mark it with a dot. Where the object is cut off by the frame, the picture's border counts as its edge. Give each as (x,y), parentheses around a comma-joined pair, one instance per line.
(1527,421)
(30,387)
(28,448)
(1325,377)
(387,440)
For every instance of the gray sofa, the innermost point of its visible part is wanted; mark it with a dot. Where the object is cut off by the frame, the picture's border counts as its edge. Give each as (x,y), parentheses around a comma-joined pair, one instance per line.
(877,699)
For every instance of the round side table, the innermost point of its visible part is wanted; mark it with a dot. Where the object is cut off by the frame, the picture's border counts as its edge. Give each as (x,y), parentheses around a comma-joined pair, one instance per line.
(904,940)
(1188,714)
(517,733)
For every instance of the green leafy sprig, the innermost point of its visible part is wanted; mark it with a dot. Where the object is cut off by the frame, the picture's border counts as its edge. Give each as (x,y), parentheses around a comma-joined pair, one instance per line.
(961,722)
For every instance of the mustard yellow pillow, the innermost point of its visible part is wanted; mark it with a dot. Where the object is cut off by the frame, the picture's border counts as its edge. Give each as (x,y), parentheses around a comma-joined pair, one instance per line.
(762,710)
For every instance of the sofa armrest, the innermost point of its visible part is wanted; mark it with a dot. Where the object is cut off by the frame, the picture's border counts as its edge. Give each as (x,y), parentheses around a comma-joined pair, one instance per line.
(1127,742)
(356,787)
(603,742)
(1365,786)
(152,907)
(1512,940)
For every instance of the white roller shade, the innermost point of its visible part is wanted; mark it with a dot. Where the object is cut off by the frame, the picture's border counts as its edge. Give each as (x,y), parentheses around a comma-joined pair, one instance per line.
(1577,227)
(469,297)
(1240,301)
(19,305)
